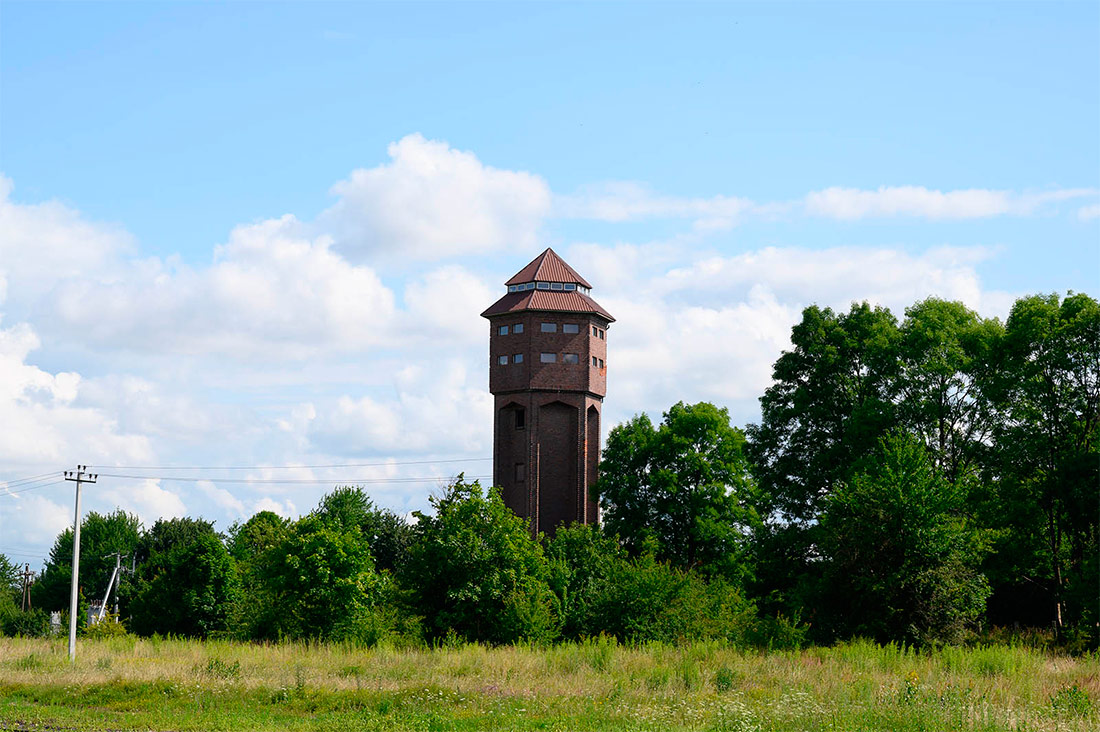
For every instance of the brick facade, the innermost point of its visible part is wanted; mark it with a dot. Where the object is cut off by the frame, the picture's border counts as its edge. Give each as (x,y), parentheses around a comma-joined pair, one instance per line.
(547,413)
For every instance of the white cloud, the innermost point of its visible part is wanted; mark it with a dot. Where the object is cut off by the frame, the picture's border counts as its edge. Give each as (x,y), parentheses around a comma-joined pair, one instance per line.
(43,243)
(432,201)
(146,498)
(270,292)
(628,201)
(222,498)
(1090,212)
(42,422)
(854,203)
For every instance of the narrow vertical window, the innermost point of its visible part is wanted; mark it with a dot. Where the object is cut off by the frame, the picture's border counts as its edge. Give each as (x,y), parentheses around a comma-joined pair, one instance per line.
(595,331)
(521,419)
(521,472)
(595,361)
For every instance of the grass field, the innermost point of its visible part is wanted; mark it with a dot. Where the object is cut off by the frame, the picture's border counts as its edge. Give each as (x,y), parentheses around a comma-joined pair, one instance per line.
(129,684)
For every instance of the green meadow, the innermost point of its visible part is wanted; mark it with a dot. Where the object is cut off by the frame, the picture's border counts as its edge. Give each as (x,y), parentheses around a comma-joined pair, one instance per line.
(128,683)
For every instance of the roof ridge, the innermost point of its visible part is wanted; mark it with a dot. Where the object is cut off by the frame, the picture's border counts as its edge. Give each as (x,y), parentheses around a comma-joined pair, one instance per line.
(548,266)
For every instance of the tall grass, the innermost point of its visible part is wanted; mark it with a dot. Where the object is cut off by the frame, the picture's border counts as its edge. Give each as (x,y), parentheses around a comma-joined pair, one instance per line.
(130,683)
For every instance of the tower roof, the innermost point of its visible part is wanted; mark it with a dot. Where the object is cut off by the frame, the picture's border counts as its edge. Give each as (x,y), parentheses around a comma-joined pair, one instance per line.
(552,285)
(548,267)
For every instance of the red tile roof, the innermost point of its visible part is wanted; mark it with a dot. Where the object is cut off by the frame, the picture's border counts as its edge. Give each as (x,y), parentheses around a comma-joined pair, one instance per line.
(569,302)
(548,267)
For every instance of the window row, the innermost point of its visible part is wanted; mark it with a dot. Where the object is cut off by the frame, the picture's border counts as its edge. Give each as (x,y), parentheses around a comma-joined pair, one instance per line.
(598,332)
(546,357)
(552,286)
(569,328)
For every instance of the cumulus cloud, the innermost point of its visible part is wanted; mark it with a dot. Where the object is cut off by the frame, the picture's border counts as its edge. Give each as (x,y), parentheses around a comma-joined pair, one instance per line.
(1088,213)
(42,421)
(627,201)
(270,291)
(43,243)
(918,201)
(432,201)
(438,406)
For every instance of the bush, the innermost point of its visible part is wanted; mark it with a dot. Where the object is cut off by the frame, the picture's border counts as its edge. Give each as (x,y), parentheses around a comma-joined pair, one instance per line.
(29,624)
(474,570)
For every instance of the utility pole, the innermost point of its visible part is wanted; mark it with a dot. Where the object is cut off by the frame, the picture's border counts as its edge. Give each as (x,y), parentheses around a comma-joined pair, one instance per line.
(78,476)
(28,576)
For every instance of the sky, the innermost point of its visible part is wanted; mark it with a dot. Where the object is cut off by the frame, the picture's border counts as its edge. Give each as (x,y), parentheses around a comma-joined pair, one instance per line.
(244,246)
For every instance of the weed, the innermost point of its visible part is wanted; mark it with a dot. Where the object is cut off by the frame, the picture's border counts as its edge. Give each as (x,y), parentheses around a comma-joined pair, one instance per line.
(723,680)
(1072,701)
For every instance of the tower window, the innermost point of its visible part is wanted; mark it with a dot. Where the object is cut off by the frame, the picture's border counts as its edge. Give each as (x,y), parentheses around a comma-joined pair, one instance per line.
(521,472)
(556,286)
(502,330)
(601,363)
(569,287)
(548,357)
(595,361)
(517,328)
(512,288)
(570,328)
(595,331)
(502,360)
(549,327)
(542,285)
(570,358)
(601,335)
(521,419)
(517,358)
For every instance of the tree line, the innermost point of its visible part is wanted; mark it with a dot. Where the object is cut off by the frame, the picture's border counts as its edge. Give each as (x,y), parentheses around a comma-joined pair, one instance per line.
(916,480)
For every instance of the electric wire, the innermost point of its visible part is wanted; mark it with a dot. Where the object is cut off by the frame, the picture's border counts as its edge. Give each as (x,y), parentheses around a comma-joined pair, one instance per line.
(287,481)
(286,467)
(6,492)
(31,479)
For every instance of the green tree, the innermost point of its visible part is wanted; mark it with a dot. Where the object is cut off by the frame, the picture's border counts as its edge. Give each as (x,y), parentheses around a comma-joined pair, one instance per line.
(320,581)
(187,583)
(1046,448)
(475,570)
(684,485)
(902,559)
(946,364)
(583,560)
(829,404)
(100,537)
(387,534)
(250,540)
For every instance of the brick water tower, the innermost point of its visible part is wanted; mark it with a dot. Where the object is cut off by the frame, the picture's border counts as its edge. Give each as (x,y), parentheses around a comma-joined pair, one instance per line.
(548,373)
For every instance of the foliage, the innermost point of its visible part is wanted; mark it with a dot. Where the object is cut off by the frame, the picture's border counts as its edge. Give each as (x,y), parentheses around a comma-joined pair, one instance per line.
(583,562)
(387,534)
(319,581)
(684,485)
(185,588)
(100,537)
(901,558)
(474,570)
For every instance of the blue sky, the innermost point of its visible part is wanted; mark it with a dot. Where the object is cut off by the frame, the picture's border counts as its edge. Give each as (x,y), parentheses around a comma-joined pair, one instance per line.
(227,228)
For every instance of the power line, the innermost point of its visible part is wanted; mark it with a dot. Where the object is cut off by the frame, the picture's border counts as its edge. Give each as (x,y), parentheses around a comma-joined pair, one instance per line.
(282,481)
(30,479)
(6,492)
(286,467)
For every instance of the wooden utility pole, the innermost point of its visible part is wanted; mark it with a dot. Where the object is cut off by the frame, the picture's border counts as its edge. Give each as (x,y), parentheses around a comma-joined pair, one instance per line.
(78,476)
(28,576)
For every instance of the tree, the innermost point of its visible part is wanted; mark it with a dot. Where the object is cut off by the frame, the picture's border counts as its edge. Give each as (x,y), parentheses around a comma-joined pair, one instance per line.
(319,581)
(902,559)
(100,537)
(187,582)
(250,540)
(387,534)
(1046,446)
(945,354)
(583,560)
(475,570)
(684,485)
